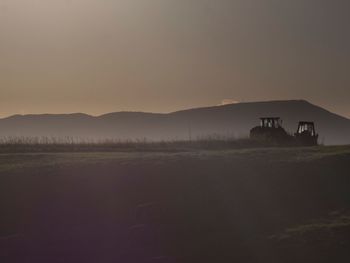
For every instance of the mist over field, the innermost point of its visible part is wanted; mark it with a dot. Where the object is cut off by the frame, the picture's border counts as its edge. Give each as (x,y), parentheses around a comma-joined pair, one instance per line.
(232,121)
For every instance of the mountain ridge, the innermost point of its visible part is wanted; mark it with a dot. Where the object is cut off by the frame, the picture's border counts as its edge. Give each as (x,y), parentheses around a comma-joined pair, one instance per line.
(78,114)
(232,120)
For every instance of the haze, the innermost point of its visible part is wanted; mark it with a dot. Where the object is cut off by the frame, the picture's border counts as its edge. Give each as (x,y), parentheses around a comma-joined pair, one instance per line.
(98,56)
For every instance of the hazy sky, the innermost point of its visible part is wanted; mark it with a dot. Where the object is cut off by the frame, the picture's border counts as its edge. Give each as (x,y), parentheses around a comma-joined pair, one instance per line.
(98,56)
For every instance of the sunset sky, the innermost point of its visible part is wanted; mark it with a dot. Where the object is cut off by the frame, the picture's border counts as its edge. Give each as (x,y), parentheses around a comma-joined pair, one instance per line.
(98,56)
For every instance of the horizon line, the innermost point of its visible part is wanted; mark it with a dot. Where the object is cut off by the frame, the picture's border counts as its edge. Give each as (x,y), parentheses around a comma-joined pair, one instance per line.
(165,113)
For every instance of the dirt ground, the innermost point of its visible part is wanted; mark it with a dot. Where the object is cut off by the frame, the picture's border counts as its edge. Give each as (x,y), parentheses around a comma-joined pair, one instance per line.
(263,205)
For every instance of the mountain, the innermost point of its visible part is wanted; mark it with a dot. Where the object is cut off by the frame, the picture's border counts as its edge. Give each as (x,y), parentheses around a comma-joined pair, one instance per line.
(228,120)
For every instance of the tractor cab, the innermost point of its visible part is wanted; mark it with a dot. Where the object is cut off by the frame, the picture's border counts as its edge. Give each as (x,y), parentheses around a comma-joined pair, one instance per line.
(270,130)
(271,122)
(306,133)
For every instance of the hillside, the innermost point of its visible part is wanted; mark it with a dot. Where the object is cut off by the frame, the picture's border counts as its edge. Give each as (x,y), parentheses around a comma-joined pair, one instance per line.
(229,120)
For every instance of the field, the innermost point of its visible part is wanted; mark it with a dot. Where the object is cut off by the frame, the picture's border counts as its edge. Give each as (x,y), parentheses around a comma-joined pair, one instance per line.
(175,205)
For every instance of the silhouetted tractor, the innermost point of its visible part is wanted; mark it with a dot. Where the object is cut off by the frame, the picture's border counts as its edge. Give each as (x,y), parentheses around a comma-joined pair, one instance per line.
(270,130)
(306,134)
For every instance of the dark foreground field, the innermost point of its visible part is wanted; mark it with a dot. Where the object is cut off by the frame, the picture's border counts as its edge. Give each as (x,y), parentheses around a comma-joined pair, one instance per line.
(265,205)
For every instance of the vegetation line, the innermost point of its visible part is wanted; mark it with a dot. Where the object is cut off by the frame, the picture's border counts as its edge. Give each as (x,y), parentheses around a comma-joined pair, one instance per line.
(70,144)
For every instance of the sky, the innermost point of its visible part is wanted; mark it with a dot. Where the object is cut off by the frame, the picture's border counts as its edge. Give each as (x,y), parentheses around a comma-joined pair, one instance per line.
(99,56)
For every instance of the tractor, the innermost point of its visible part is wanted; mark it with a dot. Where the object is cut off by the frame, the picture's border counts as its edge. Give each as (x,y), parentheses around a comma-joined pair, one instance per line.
(270,130)
(306,134)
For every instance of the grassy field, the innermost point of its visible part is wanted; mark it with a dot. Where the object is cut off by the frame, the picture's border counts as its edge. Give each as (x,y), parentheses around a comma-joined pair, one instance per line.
(55,145)
(183,205)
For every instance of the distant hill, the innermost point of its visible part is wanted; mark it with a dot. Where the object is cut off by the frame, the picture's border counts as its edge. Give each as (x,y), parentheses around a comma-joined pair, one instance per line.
(228,120)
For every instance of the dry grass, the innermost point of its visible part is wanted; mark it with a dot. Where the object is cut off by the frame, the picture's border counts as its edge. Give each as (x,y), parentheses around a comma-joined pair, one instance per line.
(70,144)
